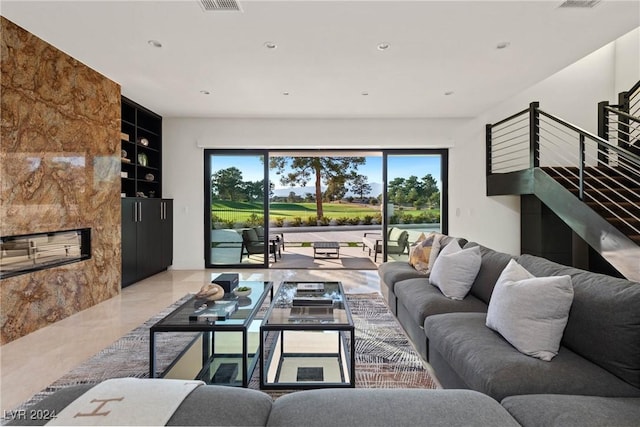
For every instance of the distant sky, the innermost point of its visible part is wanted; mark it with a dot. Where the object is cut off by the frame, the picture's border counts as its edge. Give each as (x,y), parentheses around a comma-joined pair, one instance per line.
(399,166)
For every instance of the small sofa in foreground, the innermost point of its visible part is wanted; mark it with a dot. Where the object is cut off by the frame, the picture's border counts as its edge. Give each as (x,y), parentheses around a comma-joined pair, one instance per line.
(227,406)
(211,405)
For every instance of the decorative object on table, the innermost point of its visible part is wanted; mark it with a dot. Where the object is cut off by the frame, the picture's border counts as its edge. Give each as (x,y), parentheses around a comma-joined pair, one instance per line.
(152,193)
(149,177)
(144,141)
(123,154)
(124,137)
(228,281)
(220,310)
(124,174)
(141,194)
(143,160)
(242,291)
(210,292)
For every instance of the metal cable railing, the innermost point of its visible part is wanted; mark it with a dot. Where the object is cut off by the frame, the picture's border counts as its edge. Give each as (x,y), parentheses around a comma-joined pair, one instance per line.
(605,174)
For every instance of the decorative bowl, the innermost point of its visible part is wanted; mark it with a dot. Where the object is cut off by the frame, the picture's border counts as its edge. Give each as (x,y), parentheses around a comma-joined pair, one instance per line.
(144,141)
(242,292)
(149,177)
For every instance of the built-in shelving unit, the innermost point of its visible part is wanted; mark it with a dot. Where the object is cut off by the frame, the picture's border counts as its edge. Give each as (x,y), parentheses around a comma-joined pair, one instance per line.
(147,219)
(141,154)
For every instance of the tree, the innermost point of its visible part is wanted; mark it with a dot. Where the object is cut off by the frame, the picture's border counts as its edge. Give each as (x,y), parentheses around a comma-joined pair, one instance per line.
(320,169)
(360,186)
(429,185)
(434,200)
(335,189)
(399,197)
(227,183)
(395,185)
(253,190)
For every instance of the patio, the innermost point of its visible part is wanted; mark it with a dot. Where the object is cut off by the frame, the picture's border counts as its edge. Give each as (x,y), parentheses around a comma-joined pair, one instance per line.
(298,250)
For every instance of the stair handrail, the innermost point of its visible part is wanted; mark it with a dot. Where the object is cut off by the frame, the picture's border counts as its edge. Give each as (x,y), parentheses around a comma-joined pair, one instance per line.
(600,141)
(555,139)
(613,109)
(534,110)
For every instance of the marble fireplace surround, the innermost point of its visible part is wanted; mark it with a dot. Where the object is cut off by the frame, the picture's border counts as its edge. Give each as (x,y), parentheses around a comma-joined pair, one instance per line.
(59,170)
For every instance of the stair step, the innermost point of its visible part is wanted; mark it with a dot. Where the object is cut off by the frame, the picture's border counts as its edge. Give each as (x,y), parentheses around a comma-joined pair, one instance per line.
(620,195)
(617,209)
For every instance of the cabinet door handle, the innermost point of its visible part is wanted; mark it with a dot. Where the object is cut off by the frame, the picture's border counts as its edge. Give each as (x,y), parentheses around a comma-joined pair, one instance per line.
(135,212)
(140,212)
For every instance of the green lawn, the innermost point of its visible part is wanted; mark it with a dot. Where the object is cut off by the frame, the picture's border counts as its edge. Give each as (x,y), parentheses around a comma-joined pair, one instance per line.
(299,213)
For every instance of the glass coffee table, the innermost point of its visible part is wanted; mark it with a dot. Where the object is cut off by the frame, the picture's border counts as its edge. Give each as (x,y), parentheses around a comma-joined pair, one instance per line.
(225,347)
(307,338)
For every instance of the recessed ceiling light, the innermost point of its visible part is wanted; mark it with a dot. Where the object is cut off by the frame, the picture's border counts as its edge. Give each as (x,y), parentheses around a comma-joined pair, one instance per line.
(154,43)
(205,92)
(383,46)
(449,92)
(285,93)
(365,94)
(270,45)
(502,45)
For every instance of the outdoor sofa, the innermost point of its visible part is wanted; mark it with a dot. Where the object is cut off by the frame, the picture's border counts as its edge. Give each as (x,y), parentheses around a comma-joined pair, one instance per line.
(597,367)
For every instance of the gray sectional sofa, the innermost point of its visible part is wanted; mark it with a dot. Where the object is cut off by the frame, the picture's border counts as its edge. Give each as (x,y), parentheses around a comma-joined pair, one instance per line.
(597,366)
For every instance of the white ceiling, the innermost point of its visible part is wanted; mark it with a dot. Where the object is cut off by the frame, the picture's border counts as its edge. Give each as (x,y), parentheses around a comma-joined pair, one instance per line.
(327,52)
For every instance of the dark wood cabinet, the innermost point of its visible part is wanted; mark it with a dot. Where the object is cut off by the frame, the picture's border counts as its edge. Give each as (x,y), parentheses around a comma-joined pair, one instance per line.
(147,219)
(147,237)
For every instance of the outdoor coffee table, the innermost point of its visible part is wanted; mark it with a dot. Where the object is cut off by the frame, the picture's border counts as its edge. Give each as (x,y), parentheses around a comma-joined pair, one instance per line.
(223,352)
(307,338)
(327,249)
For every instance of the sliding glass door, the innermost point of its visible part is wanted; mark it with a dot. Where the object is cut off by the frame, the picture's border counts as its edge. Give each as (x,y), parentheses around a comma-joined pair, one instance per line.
(235,213)
(412,194)
(416,198)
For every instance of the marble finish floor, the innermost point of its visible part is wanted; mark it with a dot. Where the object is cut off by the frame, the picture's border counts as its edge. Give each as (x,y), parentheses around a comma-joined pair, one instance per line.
(31,363)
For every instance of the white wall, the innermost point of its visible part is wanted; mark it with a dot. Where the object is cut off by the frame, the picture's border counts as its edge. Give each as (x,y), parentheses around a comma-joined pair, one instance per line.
(186,138)
(572,94)
(627,61)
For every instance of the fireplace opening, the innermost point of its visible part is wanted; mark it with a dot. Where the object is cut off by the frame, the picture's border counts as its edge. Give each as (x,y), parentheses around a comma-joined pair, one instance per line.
(26,253)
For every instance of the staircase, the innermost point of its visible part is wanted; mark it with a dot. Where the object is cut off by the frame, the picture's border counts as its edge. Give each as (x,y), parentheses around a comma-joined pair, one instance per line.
(592,183)
(611,194)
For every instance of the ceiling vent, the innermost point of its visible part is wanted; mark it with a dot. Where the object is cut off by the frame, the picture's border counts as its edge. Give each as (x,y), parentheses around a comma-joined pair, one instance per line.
(580,3)
(220,5)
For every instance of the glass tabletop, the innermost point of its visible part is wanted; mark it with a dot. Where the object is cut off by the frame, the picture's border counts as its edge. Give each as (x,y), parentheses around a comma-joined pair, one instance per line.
(309,303)
(193,313)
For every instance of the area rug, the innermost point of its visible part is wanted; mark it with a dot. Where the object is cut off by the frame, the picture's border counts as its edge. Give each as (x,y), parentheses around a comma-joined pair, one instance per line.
(384,355)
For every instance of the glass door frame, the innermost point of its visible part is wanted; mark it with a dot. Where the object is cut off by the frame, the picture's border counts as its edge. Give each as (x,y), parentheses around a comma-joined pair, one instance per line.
(208,155)
(444,191)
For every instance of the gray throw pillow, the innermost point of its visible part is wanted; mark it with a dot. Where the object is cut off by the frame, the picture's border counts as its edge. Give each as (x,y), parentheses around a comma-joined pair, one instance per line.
(530,312)
(455,269)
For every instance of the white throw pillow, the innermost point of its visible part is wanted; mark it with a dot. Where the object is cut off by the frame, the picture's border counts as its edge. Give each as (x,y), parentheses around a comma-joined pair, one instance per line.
(455,269)
(530,312)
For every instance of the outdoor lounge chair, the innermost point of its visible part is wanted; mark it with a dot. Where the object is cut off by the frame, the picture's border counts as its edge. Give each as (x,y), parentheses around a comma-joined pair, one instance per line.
(397,242)
(252,244)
